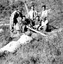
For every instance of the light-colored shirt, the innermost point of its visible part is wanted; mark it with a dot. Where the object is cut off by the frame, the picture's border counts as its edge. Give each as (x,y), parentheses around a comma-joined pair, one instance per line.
(16,27)
(44,23)
(44,13)
(31,13)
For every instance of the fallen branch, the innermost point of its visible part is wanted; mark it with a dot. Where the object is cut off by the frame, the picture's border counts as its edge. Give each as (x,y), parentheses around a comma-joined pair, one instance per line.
(36,31)
(28,28)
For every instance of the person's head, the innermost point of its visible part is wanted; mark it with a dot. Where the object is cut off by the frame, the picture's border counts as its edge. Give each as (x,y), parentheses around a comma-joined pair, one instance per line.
(44,7)
(32,7)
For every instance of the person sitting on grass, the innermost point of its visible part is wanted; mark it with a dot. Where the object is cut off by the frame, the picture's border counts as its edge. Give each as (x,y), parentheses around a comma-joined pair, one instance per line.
(26,22)
(43,24)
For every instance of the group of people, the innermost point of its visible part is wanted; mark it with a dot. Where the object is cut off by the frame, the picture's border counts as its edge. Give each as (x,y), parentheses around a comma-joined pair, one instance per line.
(33,19)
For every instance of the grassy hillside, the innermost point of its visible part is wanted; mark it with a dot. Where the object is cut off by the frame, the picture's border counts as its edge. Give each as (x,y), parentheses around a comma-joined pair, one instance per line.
(42,50)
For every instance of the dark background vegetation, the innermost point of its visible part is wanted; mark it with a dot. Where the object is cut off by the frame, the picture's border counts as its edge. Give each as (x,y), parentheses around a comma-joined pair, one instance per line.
(42,50)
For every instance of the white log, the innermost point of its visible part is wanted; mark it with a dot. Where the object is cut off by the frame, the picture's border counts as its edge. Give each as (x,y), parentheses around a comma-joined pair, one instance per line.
(13,45)
(36,31)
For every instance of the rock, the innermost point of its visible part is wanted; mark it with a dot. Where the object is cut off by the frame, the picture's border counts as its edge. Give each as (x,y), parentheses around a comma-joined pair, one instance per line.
(28,33)
(34,35)
(24,39)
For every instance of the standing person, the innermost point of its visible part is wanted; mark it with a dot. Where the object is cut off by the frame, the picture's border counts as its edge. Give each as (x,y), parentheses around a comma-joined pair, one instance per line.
(44,13)
(32,13)
(15,18)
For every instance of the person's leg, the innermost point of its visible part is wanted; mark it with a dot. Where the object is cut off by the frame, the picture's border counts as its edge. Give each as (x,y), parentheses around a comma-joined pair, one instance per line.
(24,29)
(11,32)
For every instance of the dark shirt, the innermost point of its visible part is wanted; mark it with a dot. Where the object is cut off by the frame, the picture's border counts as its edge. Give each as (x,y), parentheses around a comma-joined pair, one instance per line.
(16,16)
(28,21)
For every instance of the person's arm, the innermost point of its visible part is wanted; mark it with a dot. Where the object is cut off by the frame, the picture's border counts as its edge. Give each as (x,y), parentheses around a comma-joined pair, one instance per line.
(41,15)
(49,10)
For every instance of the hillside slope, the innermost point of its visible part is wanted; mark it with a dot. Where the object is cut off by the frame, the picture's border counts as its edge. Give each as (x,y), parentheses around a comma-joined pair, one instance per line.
(42,50)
